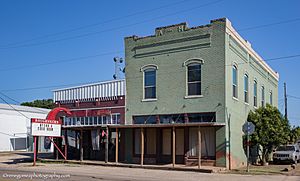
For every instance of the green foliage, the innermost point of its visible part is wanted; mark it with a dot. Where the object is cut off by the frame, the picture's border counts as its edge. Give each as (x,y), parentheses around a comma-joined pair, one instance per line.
(294,134)
(44,103)
(271,129)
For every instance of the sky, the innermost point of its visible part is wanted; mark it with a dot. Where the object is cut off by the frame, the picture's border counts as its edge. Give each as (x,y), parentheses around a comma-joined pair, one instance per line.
(52,44)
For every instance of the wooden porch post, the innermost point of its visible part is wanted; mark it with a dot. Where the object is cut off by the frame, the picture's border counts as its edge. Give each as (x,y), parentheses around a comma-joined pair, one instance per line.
(199,148)
(66,144)
(173,147)
(117,144)
(106,146)
(80,145)
(142,146)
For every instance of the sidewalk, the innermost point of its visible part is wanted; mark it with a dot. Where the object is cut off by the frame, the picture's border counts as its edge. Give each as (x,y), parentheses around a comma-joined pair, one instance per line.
(178,167)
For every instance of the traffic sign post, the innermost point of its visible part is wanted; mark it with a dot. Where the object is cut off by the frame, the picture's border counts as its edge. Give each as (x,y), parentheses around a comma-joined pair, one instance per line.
(248,128)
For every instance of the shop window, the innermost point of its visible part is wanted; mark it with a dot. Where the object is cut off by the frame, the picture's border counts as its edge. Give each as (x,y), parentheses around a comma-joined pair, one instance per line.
(95,120)
(116,118)
(150,119)
(137,141)
(151,141)
(202,117)
(166,143)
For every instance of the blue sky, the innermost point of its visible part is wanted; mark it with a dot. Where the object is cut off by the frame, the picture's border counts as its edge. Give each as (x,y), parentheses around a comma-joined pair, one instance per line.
(51,34)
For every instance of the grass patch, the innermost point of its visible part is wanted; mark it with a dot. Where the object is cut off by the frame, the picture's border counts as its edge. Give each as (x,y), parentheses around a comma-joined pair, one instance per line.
(261,170)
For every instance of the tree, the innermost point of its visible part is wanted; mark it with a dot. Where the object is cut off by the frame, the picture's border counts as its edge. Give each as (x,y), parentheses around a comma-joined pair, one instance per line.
(44,103)
(271,130)
(294,134)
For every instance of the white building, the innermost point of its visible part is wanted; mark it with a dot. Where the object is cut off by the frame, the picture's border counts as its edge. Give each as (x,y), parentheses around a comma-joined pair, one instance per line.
(15,127)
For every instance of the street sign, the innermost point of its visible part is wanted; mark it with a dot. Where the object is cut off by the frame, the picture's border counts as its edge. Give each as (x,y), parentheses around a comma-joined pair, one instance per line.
(248,128)
(44,127)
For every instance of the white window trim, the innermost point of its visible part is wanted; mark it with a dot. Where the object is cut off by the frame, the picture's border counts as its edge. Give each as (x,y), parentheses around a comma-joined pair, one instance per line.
(263,95)
(149,100)
(234,98)
(237,81)
(271,97)
(193,96)
(246,75)
(186,64)
(255,106)
(143,69)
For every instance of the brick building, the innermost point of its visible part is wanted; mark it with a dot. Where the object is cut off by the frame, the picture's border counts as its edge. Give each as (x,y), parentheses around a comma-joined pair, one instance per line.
(186,83)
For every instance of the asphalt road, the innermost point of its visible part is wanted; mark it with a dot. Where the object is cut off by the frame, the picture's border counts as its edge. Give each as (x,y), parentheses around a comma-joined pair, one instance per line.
(13,168)
(85,172)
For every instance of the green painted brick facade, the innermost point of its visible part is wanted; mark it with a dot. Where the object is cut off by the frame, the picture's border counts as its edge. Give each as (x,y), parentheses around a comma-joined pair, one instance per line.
(218,46)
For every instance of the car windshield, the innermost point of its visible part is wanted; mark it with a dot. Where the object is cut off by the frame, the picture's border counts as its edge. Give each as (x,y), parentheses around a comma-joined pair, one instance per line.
(286,148)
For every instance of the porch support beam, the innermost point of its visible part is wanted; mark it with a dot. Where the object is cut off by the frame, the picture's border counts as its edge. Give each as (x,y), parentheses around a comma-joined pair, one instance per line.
(80,145)
(199,147)
(174,147)
(142,146)
(66,144)
(106,146)
(117,145)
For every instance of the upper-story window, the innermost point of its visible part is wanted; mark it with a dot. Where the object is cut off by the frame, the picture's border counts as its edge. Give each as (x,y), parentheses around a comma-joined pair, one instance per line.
(246,88)
(262,96)
(271,97)
(255,93)
(194,79)
(149,81)
(234,82)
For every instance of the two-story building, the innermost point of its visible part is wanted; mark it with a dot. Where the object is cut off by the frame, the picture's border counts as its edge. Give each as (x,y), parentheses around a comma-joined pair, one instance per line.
(94,108)
(189,91)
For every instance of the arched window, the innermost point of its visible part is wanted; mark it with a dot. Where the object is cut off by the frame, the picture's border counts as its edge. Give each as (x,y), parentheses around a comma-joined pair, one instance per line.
(149,81)
(194,79)
(234,82)
(262,96)
(271,97)
(255,93)
(246,88)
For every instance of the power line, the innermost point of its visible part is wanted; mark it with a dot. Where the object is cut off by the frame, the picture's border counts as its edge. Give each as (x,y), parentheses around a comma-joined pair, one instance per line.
(133,77)
(60,61)
(14,108)
(104,54)
(96,24)
(45,87)
(109,53)
(18,102)
(145,21)
(294,97)
(111,29)
(7,134)
(270,24)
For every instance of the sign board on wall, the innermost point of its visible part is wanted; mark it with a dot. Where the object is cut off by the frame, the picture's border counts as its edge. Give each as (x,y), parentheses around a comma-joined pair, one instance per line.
(44,127)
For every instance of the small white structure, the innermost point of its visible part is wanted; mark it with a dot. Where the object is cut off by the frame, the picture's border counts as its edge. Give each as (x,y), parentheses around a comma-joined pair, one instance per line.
(15,127)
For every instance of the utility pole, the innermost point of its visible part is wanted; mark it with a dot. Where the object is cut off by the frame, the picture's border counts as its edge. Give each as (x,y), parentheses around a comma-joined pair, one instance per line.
(285,102)
(117,61)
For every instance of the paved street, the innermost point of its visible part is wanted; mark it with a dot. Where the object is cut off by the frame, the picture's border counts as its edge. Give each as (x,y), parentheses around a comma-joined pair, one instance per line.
(10,170)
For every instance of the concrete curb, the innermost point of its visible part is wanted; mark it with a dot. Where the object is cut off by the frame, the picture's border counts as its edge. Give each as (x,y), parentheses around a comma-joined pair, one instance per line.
(202,170)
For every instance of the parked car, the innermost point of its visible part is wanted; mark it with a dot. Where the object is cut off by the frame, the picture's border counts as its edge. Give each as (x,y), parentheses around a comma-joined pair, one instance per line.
(287,153)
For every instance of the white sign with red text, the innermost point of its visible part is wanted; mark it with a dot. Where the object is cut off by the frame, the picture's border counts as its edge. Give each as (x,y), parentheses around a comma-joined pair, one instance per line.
(44,127)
